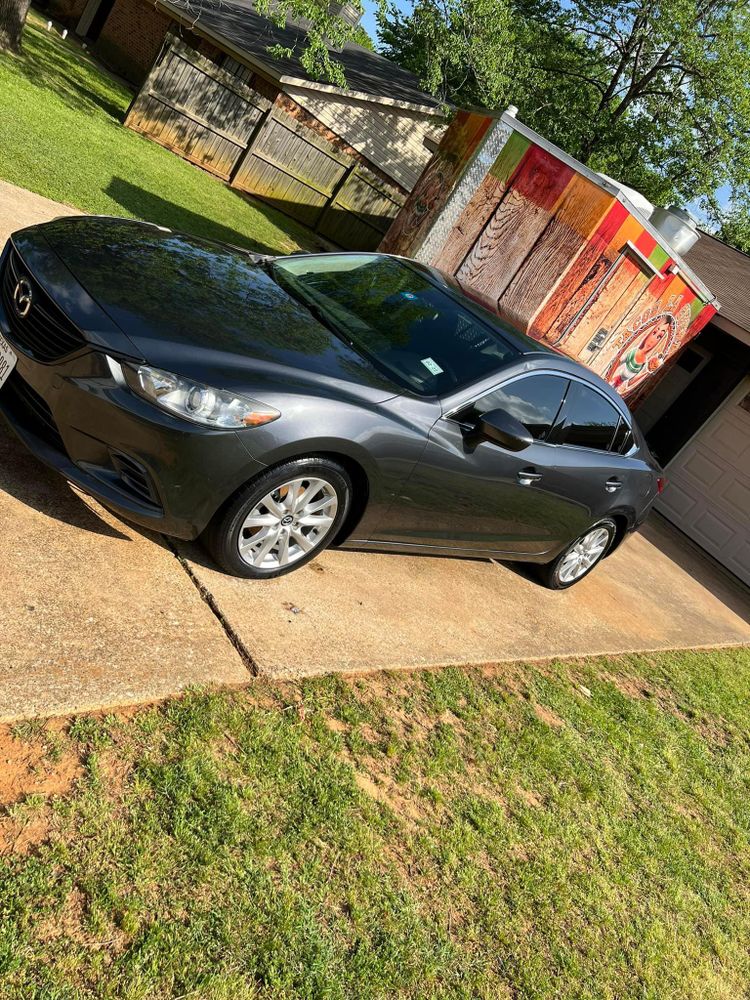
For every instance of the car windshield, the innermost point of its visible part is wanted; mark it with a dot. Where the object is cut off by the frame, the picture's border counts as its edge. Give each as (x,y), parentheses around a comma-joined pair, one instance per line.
(418,333)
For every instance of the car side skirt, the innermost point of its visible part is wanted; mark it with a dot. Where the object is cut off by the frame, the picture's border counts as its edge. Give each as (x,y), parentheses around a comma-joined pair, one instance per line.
(413,548)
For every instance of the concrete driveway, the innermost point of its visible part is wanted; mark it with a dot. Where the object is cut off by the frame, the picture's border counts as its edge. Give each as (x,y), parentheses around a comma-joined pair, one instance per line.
(351,611)
(19,208)
(97,614)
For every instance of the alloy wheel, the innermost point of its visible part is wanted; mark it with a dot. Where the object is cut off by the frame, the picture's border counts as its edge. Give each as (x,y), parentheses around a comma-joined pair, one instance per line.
(581,556)
(288,523)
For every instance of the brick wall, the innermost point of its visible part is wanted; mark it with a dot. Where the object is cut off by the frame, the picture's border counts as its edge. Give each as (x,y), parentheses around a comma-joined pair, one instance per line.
(131,38)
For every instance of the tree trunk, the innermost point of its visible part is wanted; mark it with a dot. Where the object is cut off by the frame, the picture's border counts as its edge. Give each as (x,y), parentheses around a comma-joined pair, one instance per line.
(12,19)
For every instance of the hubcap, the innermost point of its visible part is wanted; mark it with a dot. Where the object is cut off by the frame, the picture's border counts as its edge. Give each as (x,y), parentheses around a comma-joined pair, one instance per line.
(287,523)
(581,557)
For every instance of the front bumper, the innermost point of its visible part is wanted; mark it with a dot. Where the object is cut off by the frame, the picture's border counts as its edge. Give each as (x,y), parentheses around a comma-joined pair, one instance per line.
(148,467)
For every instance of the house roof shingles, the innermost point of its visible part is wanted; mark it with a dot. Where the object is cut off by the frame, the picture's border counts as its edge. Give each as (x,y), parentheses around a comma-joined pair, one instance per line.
(241,26)
(726,271)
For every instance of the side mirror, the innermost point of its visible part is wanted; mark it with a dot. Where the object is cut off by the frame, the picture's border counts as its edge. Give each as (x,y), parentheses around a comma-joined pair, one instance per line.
(502,428)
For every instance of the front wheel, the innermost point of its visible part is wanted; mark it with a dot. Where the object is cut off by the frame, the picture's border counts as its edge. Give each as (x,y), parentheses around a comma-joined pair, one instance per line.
(580,557)
(281,520)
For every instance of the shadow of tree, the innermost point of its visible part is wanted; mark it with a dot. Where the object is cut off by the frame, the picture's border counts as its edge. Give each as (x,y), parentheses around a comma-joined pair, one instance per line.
(31,483)
(63,67)
(152,207)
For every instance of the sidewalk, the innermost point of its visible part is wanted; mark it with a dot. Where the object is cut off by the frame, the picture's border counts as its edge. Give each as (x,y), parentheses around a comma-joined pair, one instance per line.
(19,208)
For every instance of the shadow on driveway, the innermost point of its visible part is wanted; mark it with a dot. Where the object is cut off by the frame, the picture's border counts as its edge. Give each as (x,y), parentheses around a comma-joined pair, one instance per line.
(29,481)
(700,566)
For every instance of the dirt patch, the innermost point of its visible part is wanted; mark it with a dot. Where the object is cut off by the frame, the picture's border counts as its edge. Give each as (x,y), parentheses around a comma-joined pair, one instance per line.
(31,767)
(70,924)
(32,772)
(386,792)
(632,687)
(548,717)
(448,718)
(530,797)
(336,725)
(19,836)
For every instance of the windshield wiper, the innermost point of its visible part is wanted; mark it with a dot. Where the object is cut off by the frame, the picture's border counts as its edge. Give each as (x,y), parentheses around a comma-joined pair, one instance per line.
(312,307)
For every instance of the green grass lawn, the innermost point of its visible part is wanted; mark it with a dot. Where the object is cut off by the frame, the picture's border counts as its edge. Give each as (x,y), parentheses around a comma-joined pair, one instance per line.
(574,831)
(61,136)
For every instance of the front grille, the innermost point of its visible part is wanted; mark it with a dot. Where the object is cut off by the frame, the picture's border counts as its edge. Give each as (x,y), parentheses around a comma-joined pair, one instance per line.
(134,477)
(31,411)
(45,332)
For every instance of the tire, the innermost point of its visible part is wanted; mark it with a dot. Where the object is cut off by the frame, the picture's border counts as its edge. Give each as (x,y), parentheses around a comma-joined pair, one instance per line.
(559,576)
(241,534)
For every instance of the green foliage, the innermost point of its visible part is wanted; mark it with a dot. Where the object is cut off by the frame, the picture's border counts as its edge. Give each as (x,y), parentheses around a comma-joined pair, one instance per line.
(653,92)
(325,30)
(735,225)
(452,834)
(73,111)
(462,50)
(361,37)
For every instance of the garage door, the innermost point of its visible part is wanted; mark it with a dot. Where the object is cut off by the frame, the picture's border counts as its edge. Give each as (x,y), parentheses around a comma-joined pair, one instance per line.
(708,496)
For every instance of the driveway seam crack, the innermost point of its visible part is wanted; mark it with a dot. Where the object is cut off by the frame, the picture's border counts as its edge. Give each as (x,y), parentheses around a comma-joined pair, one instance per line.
(206,595)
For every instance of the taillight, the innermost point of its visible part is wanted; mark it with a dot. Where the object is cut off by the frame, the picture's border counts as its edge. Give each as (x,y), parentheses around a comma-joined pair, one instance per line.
(661,484)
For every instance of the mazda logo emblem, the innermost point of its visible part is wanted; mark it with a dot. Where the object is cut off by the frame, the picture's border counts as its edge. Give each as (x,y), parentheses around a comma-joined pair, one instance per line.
(22,297)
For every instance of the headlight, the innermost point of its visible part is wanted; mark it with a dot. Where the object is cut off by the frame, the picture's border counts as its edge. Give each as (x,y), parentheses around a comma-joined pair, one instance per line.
(195,401)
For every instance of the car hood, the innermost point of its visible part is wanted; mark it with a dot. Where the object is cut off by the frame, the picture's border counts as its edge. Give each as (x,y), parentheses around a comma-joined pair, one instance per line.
(205,310)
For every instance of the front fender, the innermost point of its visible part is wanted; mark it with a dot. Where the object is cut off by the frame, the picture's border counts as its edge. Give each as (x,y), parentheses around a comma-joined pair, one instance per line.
(384,440)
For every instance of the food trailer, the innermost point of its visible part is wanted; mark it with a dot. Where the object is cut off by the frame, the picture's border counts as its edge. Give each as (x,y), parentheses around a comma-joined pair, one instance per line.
(568,256)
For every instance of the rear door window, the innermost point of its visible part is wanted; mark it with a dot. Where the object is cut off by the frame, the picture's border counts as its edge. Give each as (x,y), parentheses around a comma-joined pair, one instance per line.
(587,420)
(534,400)
(623,441)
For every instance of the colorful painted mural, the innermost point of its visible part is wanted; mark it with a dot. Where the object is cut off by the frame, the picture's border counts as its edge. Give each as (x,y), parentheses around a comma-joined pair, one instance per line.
(552,249)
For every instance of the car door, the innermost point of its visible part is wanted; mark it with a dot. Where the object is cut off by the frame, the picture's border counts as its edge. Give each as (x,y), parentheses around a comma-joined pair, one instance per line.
(593,442)
(468,493)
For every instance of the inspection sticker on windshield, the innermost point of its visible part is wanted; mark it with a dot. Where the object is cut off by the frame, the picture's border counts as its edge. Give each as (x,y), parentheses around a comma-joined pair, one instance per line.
(432,366)
(7,359)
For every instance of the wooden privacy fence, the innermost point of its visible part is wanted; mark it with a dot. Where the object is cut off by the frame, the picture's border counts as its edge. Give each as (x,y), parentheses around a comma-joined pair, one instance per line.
(212,117)
(197,109)
(301,173)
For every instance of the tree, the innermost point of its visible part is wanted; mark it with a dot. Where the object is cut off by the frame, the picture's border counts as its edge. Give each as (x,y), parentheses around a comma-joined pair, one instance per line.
(461,50)
(327,30)
(653,92)
(735,224)
(12,19)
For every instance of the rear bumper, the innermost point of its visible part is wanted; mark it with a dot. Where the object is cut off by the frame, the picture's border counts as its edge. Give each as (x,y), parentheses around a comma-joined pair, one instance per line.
(157,471)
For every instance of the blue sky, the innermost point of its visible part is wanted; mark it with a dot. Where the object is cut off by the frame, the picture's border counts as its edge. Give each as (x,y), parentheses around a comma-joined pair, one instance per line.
(369,22)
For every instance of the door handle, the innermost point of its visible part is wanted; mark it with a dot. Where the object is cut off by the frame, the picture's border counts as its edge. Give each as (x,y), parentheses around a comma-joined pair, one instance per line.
(527,476)
(613,484)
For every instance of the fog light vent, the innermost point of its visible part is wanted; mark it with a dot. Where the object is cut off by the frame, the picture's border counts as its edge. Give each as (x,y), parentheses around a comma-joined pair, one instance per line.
(135,478)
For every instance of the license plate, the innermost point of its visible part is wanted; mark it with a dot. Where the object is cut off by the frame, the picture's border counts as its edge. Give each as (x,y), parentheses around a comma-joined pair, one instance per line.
(7,359)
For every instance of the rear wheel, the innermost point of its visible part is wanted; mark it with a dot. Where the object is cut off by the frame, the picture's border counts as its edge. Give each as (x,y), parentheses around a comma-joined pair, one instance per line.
(580,557)
(281,520)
